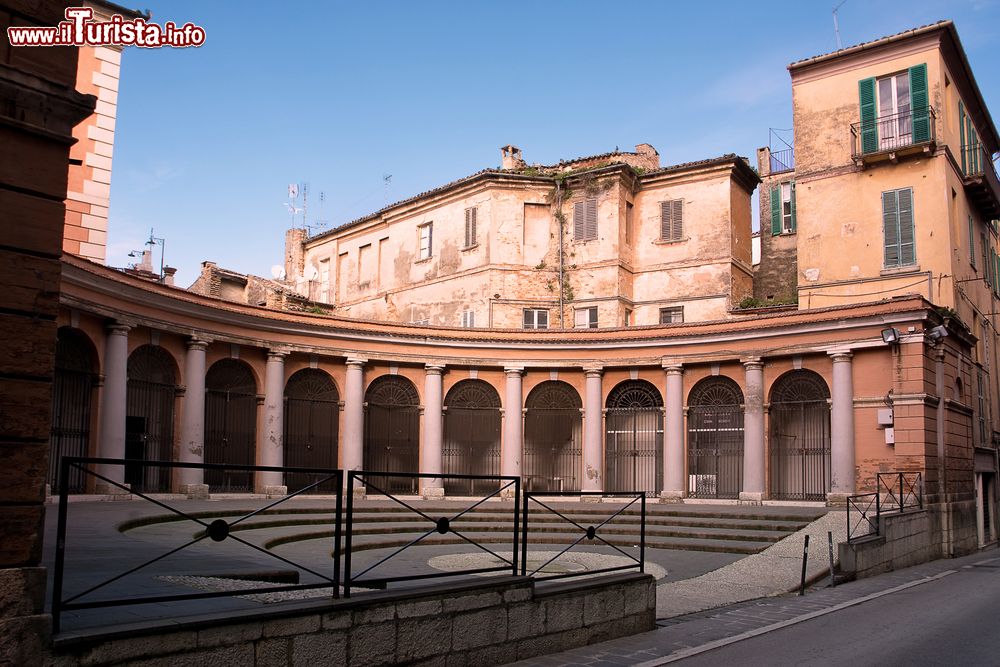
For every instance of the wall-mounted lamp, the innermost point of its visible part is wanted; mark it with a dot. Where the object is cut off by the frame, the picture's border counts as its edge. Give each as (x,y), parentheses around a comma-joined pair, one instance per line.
(937,333)
(890,336)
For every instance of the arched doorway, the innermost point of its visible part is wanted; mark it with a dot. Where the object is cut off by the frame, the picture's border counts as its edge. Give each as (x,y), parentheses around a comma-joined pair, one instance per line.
(471,437)
(715,439)
(230,423)
(72,396)
(800,437)
(312,410)
(633,438)
(392,432)
(552,438)
(149,417)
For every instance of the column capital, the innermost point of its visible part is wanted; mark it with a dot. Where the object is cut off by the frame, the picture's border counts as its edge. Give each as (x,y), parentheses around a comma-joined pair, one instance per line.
(511,371)
(593,371)
(197,343)
(118,328)
(752,363)
(434,369)
(356,361)
(277,353)
(673,369)
(840,355)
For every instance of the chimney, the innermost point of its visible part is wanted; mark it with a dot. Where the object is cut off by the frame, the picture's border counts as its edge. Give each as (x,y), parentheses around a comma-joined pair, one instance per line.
(651,159)
(295,255)
(510,158)
(168,275)
(146,263)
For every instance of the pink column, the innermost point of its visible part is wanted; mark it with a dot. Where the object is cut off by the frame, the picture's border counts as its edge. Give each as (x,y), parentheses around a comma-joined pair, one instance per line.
(112,435)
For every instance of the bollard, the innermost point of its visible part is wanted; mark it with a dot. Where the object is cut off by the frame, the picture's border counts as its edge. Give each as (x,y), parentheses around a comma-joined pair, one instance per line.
(829,537)
(805,558)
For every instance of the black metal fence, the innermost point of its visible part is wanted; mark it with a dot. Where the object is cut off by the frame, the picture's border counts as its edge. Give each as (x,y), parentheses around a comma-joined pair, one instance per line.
(591,533)
(896,492)
(893,132)
(217,531)
(782,161)
(381,482)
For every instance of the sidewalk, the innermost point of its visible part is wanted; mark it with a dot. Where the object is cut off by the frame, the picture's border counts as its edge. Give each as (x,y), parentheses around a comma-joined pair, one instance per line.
(684,636)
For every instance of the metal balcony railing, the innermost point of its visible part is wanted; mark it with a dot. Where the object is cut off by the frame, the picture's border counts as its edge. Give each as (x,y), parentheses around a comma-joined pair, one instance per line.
(888,134)
(982,181)
(782,161)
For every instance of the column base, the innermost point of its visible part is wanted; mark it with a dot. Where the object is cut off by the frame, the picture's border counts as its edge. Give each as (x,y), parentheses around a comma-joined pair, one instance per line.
(432,492)
(837,499)
(113,492)
(751,498)
(195,491)
(591,499)
(275,490)
(671,496)
(507,494)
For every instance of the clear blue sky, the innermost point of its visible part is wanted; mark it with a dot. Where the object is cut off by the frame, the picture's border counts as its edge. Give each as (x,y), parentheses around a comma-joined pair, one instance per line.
(338,94)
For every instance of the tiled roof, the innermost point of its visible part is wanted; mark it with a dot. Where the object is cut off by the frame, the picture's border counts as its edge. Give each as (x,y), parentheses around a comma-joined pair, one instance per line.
(875,42)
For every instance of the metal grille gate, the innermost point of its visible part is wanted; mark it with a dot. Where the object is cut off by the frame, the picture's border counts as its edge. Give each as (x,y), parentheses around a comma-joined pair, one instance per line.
(715,439)
(392,431)
(633,439)
(149,420)
(800,437)
(553,438)
(312,411)
(230,424)
(72,387)
(471,437)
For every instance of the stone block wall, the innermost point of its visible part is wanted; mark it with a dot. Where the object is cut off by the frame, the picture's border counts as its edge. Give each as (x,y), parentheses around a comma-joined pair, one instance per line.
(905,540)
(471,624)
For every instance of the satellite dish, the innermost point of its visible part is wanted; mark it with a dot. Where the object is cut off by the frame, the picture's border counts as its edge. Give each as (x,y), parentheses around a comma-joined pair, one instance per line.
(312,273)
(278,272)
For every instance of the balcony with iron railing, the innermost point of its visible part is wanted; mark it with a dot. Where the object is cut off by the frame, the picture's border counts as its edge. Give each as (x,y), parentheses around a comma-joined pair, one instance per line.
(894,136)
(982,184)
(782,161)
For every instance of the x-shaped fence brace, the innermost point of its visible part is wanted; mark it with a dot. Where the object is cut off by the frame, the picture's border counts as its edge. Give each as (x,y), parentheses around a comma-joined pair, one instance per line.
(862,503)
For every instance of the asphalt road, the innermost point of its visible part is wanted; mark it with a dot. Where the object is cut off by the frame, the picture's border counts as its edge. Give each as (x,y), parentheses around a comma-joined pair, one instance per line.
(952,620)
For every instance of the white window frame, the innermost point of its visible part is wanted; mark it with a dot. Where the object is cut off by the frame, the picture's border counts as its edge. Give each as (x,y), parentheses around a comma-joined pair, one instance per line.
(673,311)
(539,318)
(889,103)
(786,208)
(468,319)
(425,241)
(585,318)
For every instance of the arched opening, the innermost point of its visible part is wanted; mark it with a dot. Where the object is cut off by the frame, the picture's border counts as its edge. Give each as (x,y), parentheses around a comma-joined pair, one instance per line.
(553,437)
(633,438)
(392,432)
(312,410)
(230,423)
(715,439)
(471,437)
(72,397)
(149,417)
(800,437)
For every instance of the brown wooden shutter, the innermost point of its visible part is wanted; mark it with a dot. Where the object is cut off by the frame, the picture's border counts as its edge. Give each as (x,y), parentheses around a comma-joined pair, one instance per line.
(671,220)
(578,220)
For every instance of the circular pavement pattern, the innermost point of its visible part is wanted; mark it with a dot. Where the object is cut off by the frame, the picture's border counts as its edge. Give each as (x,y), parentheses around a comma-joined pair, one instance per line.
(571,561)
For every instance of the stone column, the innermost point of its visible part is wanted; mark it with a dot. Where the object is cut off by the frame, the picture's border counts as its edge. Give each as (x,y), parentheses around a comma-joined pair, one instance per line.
(593,422)
(112,434)
(192,480)
(673,436)
(513,421)
(270,443)
(842,429)
(753,433)
(354,416)
(433,432)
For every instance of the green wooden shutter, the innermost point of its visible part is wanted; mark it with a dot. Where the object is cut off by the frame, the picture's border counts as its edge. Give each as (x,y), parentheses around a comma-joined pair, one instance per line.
(869,116)
(996,286)
(792,195)
(907,255)
(775,210)
(890,228)
(961,134)
(918,103)
(972,242)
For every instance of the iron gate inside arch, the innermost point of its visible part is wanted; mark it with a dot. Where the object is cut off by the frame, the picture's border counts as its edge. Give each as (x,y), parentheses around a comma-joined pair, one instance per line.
(72,394)
(799,418)
(230,423)
(471,437)
(633,438)
(312,411)
(715,439)
(392,431)
(552,438)
(149,417)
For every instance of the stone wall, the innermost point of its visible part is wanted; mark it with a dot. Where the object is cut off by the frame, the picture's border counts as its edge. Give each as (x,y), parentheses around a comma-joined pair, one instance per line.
(471,624)
(904,540)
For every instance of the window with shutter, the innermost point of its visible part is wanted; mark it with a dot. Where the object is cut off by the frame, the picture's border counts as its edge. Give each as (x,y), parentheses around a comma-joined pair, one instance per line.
(918,102)
(897,228)
(986,259)
(585,318)
(869,116)
(972,243)
(470,227)
(775,210)
(671,220)
(468,318)
(585,220)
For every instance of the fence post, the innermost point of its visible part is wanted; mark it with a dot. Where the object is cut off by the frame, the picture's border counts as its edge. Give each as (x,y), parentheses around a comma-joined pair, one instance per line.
(829,537)
(902,498)
(348,547)
(805,558)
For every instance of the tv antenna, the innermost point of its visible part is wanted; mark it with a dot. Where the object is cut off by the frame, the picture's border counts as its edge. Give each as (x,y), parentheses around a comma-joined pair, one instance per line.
(836,25)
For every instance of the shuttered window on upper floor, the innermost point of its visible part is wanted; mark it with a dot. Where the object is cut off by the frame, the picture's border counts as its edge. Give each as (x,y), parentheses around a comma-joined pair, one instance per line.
(783,209)
(470,227)
(671,220)
(585,220)
(897,228)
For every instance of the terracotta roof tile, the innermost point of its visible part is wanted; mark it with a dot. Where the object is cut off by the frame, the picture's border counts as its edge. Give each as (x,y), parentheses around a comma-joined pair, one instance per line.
(867,45)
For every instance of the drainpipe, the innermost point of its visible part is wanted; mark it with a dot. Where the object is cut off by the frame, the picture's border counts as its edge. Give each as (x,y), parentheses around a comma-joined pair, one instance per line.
(561,226)
(942,467)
